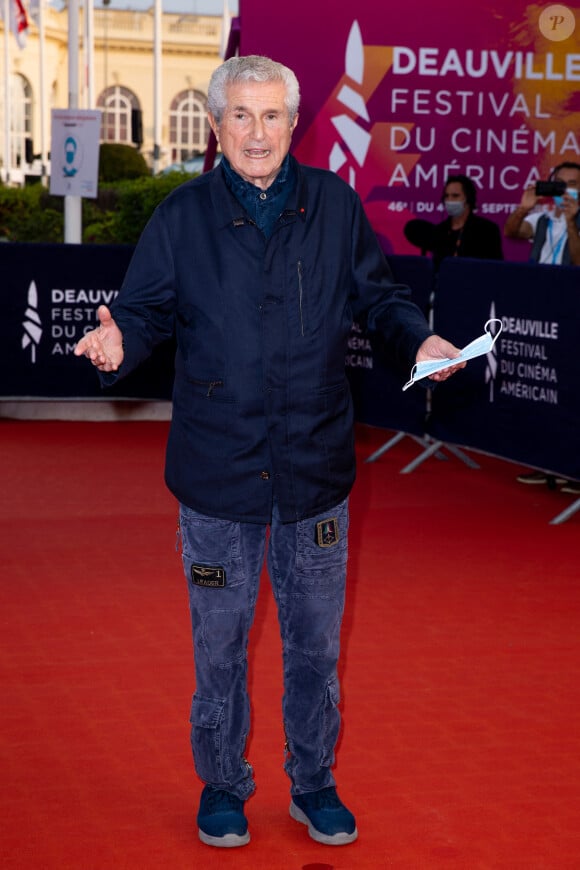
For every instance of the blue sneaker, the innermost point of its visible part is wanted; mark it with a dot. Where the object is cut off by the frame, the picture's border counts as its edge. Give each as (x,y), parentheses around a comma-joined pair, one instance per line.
(327,818)
(221,819)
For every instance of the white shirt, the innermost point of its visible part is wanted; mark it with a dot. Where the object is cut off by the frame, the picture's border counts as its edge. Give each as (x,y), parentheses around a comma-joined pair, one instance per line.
(556,235)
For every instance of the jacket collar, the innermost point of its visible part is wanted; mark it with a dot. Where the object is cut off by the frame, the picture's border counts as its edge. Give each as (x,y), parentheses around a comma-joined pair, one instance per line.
(230,212)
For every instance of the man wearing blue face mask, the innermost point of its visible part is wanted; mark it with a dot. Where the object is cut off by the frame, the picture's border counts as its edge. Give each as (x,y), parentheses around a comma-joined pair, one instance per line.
(555,233)
(463,233)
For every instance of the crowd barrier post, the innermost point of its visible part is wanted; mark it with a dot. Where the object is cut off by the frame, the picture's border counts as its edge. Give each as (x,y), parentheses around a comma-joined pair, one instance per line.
(566,514)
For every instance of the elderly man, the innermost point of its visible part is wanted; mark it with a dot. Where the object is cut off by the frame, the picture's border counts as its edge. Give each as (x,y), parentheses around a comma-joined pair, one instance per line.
(259,267)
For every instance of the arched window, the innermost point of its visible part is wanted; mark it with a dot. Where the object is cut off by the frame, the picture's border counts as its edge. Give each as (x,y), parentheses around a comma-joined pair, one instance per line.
(116,103)
(20,117)
(188,126)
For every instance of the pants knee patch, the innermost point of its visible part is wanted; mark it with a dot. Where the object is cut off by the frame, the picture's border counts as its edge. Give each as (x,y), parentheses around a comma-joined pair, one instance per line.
(224,637)
(313,624)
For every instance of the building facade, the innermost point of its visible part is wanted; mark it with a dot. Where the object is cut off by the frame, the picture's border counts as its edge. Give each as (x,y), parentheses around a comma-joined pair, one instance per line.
(122,85)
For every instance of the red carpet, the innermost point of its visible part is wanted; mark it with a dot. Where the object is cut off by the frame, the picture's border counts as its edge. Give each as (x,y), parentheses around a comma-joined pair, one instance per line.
(461,668)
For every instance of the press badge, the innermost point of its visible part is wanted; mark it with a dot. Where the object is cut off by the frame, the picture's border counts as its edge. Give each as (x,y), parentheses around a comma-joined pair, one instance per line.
(477,347)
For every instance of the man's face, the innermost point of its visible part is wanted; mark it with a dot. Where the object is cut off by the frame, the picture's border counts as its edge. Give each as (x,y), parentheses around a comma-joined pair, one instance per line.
(571,177)
(255,131)
(454,192)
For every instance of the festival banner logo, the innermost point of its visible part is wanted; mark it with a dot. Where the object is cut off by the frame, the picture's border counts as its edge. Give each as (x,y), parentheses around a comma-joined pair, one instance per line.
(496,98)
(32,323)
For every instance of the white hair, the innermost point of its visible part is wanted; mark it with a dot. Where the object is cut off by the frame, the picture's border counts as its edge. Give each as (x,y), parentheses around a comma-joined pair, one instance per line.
(251,68)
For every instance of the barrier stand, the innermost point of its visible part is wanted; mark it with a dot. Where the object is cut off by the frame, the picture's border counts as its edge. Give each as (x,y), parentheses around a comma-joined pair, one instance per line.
(434,448)
(395,440)
(566,514)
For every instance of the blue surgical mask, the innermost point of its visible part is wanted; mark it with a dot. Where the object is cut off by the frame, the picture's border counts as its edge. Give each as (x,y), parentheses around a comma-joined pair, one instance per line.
(479,346)
(571,191)
(454,208)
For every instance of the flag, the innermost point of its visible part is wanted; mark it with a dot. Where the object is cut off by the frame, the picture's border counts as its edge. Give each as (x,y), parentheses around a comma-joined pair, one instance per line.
(34,10)
(18,21)
(226,25)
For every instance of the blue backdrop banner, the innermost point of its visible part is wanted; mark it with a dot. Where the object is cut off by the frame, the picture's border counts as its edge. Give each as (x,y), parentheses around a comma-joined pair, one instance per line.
(49,298)
(375,384)
(522,400)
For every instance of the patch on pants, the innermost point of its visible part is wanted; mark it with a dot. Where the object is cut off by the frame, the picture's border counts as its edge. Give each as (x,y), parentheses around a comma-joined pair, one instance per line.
(327,532)
(210,576)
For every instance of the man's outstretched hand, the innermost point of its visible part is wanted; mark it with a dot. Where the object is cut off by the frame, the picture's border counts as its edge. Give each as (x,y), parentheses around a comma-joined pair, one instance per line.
(103,346)
(436,347)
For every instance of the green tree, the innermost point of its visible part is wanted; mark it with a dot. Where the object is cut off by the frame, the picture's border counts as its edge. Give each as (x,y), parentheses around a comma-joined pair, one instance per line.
(119,162)
(121,211)
(30,214)
(116,216)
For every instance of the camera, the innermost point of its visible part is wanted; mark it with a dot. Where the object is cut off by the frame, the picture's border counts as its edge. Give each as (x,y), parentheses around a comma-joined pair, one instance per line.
(550,188)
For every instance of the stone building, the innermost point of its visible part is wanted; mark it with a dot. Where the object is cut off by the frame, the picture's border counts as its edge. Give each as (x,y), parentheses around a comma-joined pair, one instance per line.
(122,85)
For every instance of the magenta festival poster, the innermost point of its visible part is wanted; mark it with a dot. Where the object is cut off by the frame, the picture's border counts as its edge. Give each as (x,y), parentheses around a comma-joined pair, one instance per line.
(397,96)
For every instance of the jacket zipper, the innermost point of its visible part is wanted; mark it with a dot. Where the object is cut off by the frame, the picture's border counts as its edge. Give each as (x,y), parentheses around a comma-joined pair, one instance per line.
(299,265)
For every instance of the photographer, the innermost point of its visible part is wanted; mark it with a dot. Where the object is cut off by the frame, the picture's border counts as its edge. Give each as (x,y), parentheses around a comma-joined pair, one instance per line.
(555,234)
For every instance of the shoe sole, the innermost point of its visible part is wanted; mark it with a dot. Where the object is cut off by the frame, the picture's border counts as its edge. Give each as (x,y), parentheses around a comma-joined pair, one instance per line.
(342,838)
(556,481)
(228,841)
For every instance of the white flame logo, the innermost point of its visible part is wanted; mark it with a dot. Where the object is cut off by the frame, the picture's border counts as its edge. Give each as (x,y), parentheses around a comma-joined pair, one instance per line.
(354,137)
(32,324)
(491,367)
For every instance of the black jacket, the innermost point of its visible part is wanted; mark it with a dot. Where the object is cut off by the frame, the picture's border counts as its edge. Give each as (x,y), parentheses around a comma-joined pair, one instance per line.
(479,238)
(261,403)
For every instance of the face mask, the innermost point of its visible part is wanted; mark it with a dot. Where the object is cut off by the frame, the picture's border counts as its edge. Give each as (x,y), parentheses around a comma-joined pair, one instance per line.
(477,347)
(571,191)
(454,208)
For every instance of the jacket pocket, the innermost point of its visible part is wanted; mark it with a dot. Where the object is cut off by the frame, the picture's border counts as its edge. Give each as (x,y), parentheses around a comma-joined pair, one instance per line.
(209,388)
(301,301)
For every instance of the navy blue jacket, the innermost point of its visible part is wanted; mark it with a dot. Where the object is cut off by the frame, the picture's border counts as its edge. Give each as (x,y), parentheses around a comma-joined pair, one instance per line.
(261,403)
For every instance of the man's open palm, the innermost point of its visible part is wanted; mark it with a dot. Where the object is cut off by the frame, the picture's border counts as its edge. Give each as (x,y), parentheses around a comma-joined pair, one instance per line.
(103,345)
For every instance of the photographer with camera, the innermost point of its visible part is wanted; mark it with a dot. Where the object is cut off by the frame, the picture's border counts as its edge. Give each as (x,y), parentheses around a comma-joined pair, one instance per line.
(555,234)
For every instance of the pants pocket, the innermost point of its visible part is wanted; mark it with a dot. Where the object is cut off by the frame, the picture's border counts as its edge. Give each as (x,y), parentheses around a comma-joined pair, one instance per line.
(322,546)
(213,546)
(212,762)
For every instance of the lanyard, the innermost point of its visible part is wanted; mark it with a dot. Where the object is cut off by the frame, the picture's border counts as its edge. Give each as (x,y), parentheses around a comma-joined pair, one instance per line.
(555,251)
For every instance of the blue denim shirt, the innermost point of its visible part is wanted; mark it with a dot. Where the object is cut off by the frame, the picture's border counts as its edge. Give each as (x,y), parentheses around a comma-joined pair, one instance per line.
(264,207)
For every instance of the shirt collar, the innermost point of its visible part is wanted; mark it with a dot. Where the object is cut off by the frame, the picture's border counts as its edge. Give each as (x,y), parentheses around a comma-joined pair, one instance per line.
(228,205)
(245,191)
(264,207)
